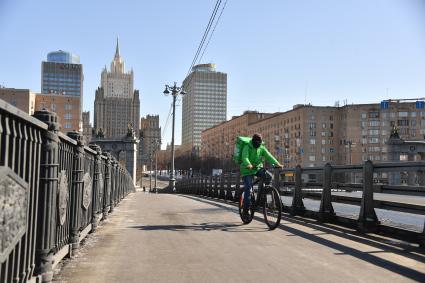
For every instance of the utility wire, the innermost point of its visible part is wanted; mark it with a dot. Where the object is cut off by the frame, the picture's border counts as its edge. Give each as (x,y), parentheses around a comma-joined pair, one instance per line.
(207,30)
(211,34)
(167,121)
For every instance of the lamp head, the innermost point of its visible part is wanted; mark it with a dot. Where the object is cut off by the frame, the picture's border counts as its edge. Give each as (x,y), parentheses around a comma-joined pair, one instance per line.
(166,91)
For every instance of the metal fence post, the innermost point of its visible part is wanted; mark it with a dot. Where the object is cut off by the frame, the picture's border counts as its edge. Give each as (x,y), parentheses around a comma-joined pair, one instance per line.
(297,199)
(229,195)
(368,221)
(46,226)
(237,187)
(276,178)
(97,186)
(326,211)
(77,190)
(114,186)
(222,187)
(107,186)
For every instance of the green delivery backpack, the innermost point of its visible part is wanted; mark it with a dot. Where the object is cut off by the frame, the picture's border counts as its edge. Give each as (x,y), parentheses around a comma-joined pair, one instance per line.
(239,145)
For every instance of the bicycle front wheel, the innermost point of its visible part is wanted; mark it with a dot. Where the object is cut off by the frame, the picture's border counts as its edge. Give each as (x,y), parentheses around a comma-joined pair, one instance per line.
(272,207)
(246,218)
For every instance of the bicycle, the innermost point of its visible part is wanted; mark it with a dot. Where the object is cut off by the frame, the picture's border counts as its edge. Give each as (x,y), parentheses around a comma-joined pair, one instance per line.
(269,198)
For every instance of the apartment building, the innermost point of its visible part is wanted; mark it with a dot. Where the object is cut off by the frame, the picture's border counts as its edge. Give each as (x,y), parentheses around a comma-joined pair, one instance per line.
(219,140)
(315,135)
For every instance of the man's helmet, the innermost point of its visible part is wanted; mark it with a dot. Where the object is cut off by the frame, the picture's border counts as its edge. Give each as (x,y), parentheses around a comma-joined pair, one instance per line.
(257,140)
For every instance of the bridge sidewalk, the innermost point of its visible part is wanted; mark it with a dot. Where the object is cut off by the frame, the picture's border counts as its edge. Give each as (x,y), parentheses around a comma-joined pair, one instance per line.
(172,238)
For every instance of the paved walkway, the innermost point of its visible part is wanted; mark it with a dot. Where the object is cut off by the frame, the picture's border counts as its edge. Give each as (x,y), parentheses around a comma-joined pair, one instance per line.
(172,238)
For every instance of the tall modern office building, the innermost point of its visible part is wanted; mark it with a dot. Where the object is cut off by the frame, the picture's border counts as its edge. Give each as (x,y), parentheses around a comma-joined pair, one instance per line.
(117,104)
(62,75)
(205,104)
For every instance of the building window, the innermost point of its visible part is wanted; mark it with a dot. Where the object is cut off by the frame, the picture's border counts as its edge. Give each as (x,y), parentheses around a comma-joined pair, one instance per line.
(312,158)
(373,140)
(363,115)
(53,107)
(374,123)
(403,122)
(68,107)
(312,141)
(403,114)
(374,114)
(67,126)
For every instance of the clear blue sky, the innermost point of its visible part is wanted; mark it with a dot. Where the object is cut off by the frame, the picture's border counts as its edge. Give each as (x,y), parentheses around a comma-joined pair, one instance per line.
(276,53)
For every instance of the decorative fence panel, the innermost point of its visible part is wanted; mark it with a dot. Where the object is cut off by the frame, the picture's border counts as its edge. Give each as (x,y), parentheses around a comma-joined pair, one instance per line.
(52,188)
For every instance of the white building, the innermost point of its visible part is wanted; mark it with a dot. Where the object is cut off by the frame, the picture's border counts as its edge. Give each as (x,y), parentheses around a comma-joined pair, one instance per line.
(205,104)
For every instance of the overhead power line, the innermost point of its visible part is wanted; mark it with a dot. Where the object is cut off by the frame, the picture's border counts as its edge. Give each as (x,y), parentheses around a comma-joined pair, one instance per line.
(204,37)
(211,34)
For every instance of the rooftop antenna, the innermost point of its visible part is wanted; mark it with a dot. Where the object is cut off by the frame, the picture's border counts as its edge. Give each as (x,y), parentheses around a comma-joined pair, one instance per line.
(305,92)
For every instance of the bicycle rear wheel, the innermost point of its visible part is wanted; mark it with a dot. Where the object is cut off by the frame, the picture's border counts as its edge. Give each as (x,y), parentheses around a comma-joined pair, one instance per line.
(246,219)
(272,207)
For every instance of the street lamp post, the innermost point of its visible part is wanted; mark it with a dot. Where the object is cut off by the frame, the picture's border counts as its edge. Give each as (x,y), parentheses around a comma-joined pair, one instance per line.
(155,143)
(175,91)
(150,173)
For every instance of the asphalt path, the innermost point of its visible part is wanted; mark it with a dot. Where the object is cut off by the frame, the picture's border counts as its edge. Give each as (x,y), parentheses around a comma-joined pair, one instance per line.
(176,238)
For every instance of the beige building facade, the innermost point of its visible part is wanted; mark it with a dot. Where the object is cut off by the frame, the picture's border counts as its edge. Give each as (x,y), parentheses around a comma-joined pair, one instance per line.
(150,138)
(66,107)
(219,140)
(117,104)
(316,135)
(23,99)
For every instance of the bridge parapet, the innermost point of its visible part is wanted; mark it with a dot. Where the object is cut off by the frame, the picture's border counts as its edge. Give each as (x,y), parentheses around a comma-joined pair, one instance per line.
(61,187)
(363,188)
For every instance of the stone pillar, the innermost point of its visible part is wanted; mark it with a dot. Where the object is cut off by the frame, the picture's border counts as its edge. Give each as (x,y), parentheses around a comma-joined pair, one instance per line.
(131,157)
(47,211)
(97,185)
(76,191)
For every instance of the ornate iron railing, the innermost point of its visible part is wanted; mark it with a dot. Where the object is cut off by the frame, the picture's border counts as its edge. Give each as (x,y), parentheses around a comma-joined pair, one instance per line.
(53,191)
(360,186)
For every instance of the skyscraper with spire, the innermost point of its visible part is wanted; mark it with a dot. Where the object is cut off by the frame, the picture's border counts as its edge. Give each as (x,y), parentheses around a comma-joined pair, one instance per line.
(117,104)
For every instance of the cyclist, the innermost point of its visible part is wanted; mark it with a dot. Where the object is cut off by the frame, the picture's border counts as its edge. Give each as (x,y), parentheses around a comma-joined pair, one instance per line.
(252,165)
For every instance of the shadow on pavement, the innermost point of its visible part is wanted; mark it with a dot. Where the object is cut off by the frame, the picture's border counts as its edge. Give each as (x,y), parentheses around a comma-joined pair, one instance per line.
(225,227)
(385,245)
